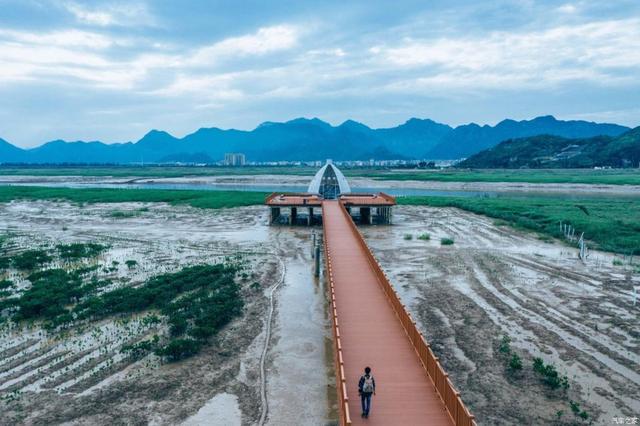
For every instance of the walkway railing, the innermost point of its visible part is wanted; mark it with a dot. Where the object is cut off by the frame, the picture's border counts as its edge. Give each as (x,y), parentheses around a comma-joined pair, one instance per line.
(447,392)
(341,381)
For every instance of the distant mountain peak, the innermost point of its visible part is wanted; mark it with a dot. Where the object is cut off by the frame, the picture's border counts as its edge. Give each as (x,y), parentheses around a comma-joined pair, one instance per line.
(304,139)
(355,125)
(304,120)
(415,120)
(545,118)
(156,133)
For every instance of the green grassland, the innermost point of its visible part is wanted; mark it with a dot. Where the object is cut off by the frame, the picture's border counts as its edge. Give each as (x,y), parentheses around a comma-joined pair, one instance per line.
(585,176)
(200,199)
(611,224)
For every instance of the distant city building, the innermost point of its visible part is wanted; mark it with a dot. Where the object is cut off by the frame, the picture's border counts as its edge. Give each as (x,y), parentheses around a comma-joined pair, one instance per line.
(234,159)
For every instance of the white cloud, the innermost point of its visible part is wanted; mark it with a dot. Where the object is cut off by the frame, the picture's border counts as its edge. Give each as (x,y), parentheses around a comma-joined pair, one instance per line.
(64,38)
(122,14)
(265,40)
(62,57)
(240,68)
(592,52)
(568,8)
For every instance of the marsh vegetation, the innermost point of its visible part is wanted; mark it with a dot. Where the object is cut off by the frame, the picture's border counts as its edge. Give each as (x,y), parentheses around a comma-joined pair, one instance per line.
(608,224)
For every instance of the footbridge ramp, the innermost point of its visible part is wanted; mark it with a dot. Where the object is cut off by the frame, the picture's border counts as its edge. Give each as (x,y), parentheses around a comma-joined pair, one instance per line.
(372,328)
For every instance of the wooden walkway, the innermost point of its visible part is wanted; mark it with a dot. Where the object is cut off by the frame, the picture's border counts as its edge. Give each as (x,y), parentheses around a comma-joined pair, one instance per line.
(372,335)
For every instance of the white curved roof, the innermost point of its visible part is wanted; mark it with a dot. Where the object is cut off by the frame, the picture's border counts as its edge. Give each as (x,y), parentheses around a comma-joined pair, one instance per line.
(316,182)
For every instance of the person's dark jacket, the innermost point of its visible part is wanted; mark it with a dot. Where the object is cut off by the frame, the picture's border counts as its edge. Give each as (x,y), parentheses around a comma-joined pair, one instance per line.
(361,384)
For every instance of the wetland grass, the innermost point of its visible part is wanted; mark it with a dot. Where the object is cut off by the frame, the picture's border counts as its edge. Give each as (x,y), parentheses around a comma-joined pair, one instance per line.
(611,224)
(194,198)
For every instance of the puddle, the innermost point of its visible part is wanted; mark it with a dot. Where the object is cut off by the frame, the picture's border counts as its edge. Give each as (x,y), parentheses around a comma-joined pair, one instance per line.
(221,410)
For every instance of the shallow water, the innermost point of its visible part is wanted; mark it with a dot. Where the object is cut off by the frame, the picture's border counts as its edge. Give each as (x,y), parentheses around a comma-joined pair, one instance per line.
(297,376)
(299,184)
(221,410)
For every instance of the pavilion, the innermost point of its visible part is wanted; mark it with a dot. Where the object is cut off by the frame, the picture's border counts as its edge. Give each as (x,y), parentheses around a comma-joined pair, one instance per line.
(329,184)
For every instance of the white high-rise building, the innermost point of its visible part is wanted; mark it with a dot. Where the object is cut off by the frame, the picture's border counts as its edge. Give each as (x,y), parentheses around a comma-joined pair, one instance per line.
(234,159)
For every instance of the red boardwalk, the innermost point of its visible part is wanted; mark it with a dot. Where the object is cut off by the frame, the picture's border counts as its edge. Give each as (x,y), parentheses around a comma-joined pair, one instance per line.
(371,334)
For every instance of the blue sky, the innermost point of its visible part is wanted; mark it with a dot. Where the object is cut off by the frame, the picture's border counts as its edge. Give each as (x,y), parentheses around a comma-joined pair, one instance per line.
(110,71)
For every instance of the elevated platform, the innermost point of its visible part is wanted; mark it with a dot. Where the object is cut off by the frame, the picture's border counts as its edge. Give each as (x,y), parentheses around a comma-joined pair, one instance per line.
(365,208)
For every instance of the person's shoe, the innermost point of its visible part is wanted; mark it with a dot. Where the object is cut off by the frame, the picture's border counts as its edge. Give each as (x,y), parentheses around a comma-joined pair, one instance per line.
(362,415)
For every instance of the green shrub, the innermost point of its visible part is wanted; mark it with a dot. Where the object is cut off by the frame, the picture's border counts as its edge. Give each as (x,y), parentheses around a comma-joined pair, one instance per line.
(30,259)
(577,411)
(617,262)
(140,349)
(408,237)
(198,301)
(6,284)
(424,237)
(179,349)
(515,363)
(131,264)
(505,345)
(79,250)
(446,241)
(550,375)
(51,293)
(121,214)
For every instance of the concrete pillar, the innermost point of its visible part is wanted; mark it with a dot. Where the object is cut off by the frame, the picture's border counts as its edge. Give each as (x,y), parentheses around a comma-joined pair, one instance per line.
(293,216)
(317,256)
(310,218)
(275,213)
(365,215)
(313,245)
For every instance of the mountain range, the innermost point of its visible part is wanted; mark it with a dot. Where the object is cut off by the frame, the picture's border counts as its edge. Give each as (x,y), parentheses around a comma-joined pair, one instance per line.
(308,139)
(547,151)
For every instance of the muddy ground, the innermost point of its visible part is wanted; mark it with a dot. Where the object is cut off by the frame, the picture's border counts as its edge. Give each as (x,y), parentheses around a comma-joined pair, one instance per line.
(493,281)
(81,377)
(496,281)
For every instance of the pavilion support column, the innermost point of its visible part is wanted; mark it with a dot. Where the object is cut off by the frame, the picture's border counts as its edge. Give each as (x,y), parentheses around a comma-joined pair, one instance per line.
(275,214)
(365,215)
(293,216)
(310,218)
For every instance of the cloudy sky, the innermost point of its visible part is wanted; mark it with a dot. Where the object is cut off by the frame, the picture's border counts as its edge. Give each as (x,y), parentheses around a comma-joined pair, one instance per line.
(110,70)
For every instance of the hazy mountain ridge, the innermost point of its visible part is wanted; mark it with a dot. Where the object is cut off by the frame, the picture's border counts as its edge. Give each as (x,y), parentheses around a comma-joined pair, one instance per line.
(308,139)
(547,151)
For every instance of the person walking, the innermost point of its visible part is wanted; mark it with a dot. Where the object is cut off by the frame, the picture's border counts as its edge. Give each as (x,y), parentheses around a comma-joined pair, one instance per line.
(366,388)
